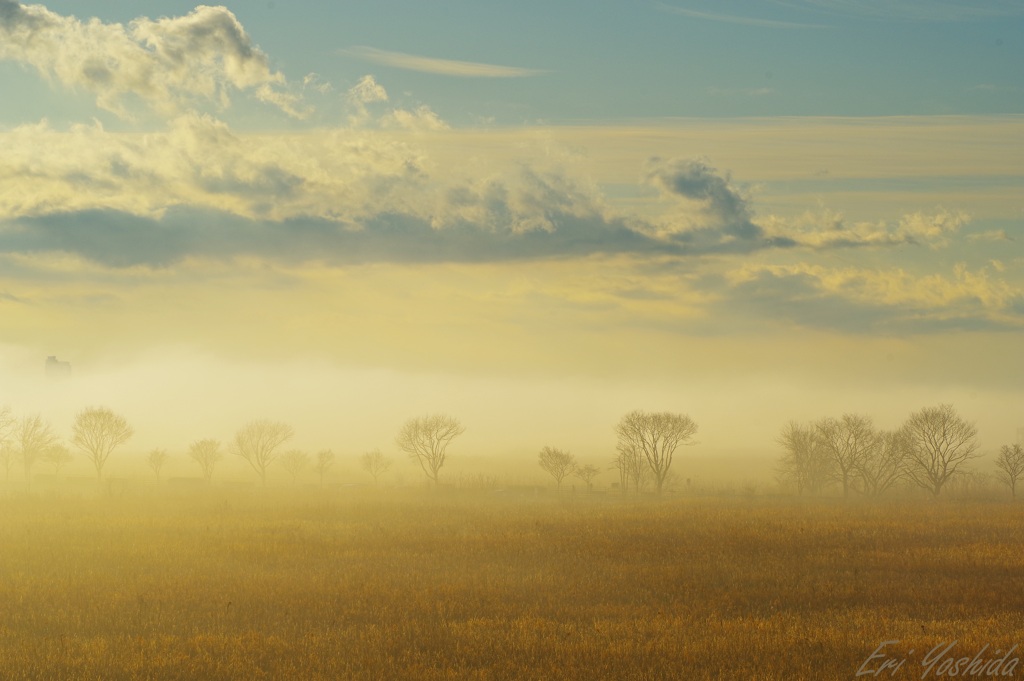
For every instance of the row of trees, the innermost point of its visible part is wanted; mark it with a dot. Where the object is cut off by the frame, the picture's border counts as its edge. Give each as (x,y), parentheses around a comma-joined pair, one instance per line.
(646,448)
(96,432)
(932,447)
(560,464)
(928,450)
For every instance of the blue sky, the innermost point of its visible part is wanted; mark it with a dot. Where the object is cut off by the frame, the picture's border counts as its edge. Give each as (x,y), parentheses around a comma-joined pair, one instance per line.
(663,205)
(615,60)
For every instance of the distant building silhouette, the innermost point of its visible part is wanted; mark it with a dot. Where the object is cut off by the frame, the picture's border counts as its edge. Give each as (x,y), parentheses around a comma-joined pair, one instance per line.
(57,369)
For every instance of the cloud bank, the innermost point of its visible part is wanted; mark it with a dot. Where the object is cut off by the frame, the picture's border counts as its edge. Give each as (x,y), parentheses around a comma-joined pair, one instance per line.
(397,188)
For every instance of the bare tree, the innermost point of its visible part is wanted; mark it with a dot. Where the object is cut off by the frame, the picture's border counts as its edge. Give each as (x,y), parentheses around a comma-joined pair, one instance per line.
(8,456)
(940,443)
(885,464)
(58,456)
(656,436)
(294,461)
(156,460)
(848,441)
(426,439)
(631,467)
(207,454)
(7,451)
(375,463)
(97,431)
(7,424)
(258,441)
(1010,463)
(805,464)
(557,463)
(324,460)
(33,437)
(587,474)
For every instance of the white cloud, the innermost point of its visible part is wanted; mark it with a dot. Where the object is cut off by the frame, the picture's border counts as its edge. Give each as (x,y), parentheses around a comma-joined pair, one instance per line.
(367,91)
(420,118)
(922,10)
(933,229)
(364,93)
(199,161)
(313,81)
(168,64)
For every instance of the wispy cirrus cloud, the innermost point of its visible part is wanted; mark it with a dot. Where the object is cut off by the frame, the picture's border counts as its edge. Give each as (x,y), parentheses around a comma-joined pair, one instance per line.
(444,67)
(991,235)
(740,92)
(916,10)
(736,18)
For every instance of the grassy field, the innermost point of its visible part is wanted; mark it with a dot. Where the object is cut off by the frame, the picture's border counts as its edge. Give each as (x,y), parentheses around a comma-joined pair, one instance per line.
(416,585)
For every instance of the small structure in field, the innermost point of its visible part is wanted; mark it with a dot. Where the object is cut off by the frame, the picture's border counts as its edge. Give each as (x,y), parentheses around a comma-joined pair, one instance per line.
(56,369)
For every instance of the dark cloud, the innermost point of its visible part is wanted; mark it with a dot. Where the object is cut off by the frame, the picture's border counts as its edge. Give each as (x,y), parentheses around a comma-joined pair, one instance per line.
(118,239)
(407,216)
(533,216)
(15,21)
(695,180)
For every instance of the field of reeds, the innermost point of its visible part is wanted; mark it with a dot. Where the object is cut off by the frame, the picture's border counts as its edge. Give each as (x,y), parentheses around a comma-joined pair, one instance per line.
(366,584)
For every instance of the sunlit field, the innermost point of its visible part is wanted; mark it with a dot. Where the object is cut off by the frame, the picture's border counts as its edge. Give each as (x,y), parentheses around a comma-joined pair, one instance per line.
(406,584)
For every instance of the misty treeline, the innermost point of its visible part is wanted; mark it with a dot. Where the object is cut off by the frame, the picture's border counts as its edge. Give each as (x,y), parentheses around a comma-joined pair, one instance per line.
(98,431)
(933,447)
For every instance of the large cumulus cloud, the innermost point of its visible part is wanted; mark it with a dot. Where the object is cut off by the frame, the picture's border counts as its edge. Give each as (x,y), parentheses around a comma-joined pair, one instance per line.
(168,64)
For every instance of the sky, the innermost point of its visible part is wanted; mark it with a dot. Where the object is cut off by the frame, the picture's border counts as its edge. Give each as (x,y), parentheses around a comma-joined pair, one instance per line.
(532,216)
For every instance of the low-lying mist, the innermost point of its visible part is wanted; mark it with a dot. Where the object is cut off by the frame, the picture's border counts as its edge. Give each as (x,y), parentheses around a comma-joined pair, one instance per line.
(172,397)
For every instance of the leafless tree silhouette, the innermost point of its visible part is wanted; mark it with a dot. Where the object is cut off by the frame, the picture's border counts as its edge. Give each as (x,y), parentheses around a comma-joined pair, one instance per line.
(8,456)
(656,436)
(805,464)
(885,464)
(587,474)
(557,463)
(631,467)
(375,463)
(1010,463)
(7,451)
(156,460)
(33,436)
(258,441)
(324,460)
(58,456)
(294,461)
(940,443)
(848,441)
(207,454)
(97,431)
(426,439)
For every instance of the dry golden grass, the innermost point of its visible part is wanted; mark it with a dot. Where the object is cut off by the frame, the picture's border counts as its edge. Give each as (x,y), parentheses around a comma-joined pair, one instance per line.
(442,586)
